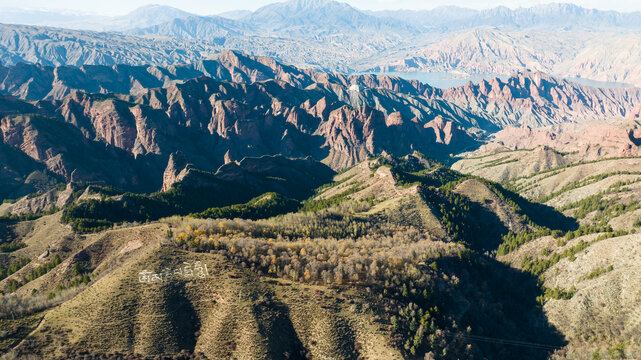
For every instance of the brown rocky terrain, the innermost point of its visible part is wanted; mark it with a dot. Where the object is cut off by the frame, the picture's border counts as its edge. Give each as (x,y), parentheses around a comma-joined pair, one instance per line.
(593,140)
(214,122)
(604,56)
(217,111)
(36,82)
(534,99)
(384,228)
(526,98)
(522,151)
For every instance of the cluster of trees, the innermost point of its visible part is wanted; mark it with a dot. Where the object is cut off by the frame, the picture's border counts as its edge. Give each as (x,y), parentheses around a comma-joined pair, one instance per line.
(79,280)
(265,206)
(396,262)
(408,164)
(512,241)
(104,190)
(342,221)
(597,272)
(96,215)
(13,285)
(454,211)
(557,294)
(23,217)
(433,177)
(538,266)
(500,161)
(13,306)
(367,259)
(11,246)
(13,268)
(592,229)
(324,203)
(585,181)
(606,206)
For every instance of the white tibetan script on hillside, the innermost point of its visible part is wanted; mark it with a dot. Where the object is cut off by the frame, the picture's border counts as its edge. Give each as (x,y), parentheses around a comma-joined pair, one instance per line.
(185,271)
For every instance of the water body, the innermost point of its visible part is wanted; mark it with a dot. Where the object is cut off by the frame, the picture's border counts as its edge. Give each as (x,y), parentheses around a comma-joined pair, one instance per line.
(599,84)
(446,80)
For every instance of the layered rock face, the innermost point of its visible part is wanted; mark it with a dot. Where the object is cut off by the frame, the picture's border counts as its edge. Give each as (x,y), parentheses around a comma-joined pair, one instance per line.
(164,120)
(604,56)
(146,141)
(526,98)
(535,99)
(35,82)
(590,141)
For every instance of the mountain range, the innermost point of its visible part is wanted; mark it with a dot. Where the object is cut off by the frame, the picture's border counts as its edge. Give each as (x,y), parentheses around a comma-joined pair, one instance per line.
(144,16)
(127,122)
(297,197)
(212,121)
(291,14)
(334,36)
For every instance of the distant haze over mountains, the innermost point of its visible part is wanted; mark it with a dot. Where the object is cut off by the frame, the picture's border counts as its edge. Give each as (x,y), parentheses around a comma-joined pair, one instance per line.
(559,38)
(335,13)
(145,16)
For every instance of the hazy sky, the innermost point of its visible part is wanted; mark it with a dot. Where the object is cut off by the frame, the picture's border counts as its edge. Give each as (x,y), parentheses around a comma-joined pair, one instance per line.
(206,7)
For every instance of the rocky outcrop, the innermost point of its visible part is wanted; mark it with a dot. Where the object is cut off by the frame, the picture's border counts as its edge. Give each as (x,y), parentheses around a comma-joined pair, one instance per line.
(176,170)
(534,99)
(448,133)
(34,205)
(65,151)
(134,141)
(591,141)
(38,203)
(527,98)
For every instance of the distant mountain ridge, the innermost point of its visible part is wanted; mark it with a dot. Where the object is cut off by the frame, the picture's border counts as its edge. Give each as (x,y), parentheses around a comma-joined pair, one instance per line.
(212,122)
(135,119)
(290,15)
(561,39)
(556,15)
(600,56)
(196,28)
(525,98)
(319,18)
(54,46)
(144,16)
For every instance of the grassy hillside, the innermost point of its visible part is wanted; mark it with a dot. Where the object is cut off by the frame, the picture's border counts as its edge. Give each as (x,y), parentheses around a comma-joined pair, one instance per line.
(206,194)
(395,259)
(582,270)
(381,263)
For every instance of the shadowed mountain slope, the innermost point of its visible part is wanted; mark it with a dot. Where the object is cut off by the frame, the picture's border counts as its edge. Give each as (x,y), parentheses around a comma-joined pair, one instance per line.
(369,263)
(526,98)
(215,122)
